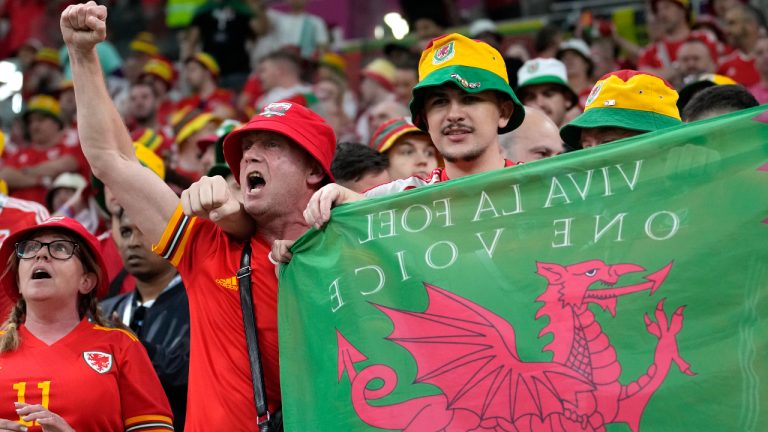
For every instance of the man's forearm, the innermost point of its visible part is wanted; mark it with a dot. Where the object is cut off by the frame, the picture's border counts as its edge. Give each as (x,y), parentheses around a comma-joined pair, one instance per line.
(101,129)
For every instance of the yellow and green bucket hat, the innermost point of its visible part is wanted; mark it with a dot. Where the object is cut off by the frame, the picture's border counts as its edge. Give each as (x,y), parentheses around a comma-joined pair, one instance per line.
(626,99)
(470,65)
(44,104)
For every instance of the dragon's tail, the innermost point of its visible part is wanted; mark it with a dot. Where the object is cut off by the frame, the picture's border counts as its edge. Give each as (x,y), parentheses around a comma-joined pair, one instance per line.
(428,413)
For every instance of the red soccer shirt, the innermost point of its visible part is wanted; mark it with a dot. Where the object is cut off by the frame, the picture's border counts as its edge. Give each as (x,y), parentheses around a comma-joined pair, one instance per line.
(98,379)
(741,68)
(219,97)
(31,156)
(219,369)
(661,54)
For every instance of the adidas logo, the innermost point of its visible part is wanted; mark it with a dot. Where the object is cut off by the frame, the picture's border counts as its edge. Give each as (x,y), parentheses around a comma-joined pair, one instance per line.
(228,283)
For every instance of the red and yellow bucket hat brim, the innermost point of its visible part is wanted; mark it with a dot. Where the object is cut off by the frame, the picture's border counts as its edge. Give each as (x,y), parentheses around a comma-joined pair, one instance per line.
(470,65)
(626,99)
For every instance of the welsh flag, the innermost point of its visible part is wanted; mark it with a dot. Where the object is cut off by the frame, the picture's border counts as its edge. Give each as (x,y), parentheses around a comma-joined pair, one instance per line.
(620,288)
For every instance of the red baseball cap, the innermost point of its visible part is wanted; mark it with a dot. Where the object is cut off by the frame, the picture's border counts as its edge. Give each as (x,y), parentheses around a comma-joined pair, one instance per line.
(300,124)
(8,283)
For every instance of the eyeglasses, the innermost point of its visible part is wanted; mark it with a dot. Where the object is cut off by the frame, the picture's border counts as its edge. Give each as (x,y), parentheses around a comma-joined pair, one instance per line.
(59,249)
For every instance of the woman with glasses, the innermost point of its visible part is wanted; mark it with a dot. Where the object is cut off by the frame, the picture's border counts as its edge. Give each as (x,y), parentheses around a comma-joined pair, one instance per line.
(58,370)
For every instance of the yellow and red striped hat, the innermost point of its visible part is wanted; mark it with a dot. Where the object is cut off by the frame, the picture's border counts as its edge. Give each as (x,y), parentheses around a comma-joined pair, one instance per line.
(144,43)
(473,66)
(335,62)
(159,68)
(626,99)
(207,61)
(189,120)
(390,131)
(48,56)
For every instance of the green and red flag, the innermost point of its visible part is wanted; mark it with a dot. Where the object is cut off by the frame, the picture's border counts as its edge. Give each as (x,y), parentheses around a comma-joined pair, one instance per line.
(620,288)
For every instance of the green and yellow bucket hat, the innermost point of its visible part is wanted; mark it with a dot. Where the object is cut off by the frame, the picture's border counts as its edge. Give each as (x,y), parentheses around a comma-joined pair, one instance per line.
(626,99)
(44,104)
(470,65)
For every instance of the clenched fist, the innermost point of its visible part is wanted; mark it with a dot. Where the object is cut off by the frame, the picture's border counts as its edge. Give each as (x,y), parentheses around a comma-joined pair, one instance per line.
(209,198)
(84,25)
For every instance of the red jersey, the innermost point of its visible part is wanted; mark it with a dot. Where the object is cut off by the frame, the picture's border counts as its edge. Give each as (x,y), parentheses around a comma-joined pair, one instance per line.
(740,67)
(115,266)
(438,176)
(30,156)
(96,378)
(16,214)
(219,368)
(219,97)
(661,54)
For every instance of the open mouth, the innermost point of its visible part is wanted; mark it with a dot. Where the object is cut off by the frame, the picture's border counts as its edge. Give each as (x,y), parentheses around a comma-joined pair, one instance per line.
(40,274)
(255,181)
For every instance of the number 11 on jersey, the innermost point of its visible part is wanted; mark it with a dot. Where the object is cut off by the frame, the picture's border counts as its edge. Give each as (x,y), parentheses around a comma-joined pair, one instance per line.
(21,389)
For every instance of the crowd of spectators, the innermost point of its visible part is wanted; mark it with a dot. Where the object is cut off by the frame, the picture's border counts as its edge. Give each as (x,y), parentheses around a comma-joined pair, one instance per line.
(235,59)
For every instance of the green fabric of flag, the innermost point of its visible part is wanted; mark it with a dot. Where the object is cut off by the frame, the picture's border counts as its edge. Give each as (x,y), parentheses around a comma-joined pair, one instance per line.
(619,288)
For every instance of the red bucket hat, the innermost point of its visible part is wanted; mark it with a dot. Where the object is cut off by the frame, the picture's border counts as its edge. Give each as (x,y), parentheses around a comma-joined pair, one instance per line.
(300,124)
(8,282)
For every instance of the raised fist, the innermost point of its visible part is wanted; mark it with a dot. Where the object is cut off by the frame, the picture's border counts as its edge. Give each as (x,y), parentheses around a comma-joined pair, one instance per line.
(209,198)
(84,25)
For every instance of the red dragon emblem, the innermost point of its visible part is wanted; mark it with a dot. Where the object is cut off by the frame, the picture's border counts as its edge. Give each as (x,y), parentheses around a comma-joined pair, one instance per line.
(470,354)
(98,361)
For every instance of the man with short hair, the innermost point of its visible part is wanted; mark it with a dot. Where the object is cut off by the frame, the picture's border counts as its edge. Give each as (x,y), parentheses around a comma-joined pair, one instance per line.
(405,79)
(385,111)
(280,76)
(623,104)
(142,106)
(694,58)
(280,157)
(463,101)
(760,90)
(742,27)
(718,100)
(543,84)
(358,167)
(673,18)
(201,73)
(157,311)
(537,138)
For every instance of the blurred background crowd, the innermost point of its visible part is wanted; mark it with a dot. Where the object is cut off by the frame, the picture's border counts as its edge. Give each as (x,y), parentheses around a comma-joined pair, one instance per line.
(183,73)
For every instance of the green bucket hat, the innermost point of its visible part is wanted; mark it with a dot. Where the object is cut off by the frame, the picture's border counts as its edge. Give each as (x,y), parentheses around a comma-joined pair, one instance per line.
(471,65)
(626,99)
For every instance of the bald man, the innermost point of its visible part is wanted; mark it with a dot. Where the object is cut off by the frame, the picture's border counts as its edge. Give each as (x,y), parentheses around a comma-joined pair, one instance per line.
(537,138)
